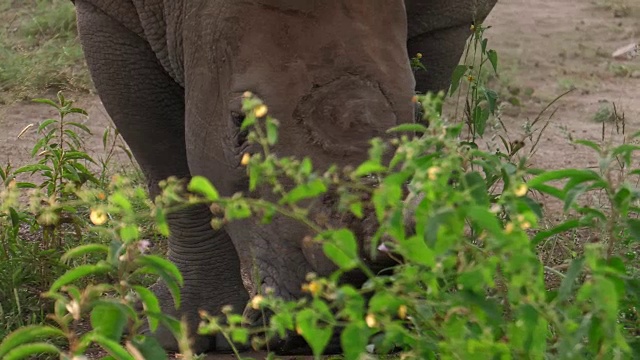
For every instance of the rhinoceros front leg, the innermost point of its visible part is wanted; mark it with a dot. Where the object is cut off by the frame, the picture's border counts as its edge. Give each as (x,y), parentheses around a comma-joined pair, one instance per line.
(147,106)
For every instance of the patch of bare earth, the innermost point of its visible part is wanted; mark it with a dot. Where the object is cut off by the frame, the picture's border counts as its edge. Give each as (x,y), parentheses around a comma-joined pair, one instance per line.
(550,47)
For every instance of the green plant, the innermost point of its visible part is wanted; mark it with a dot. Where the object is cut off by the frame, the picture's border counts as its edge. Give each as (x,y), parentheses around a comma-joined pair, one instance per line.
(32,238)
(606,113)
(480,101)
(468,283)
(109,305)
(62,166)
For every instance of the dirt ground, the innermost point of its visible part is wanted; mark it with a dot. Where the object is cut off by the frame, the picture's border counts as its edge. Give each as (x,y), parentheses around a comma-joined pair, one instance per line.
(549,46)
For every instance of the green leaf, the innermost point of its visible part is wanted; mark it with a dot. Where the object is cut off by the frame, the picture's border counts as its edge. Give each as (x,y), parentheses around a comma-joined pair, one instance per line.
(356,209)
(46,101)
(129,233)
(105,137)
(569,280)
(480,117)
(15,217)
(26,351)
(27,334)
(239,209)
(492,99)
(458,73)
(77,273)
(150,348)
(203,186)
(316,336)
(83,250)
(565,226)
(354,339)
(108,320)
(75,142)
(493,58)
(272,131)
(163,264)
(150,303)
(484,45)
(240,335)
(255,176)
(304,191)
(417,128)
(622,198)
(121,201)
(33,168)
(77,111)
(38,145)
(78,155)
(282,322)
(26,185)
(590,144)
(341,248)
(583,175)
(634,228)
(161,222)
(369,167)
(417,251)
(170,323)
(475,184)
(484,219)
(80,126)
(536,330)
(167,271)
(112,347)
(572,194)
(385,303)
(46,123)
(306,166)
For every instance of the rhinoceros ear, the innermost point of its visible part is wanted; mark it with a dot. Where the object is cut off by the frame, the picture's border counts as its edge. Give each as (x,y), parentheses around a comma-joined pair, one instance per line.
(343,115)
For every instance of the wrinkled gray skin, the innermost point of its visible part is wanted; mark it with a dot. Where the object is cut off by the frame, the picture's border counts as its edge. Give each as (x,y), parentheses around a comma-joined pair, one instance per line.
(334,72)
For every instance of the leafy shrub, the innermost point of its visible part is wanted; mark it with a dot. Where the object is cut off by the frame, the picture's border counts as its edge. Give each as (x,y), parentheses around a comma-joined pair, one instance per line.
(468,283)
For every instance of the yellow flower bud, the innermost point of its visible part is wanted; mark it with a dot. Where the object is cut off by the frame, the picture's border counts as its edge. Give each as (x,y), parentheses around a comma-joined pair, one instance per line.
(247,94)
(521,190)
(256,301)
(371,320)
(419,55)
(432,173)
(98,217)
(261,110)
(509,228)
(245,159)
(402,311)
(314,287)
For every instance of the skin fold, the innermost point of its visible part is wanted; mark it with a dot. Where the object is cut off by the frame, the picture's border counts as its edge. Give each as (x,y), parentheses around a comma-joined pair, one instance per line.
(336,73)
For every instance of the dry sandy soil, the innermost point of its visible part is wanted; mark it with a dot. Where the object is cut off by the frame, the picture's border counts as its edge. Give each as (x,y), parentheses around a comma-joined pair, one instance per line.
(549,46)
